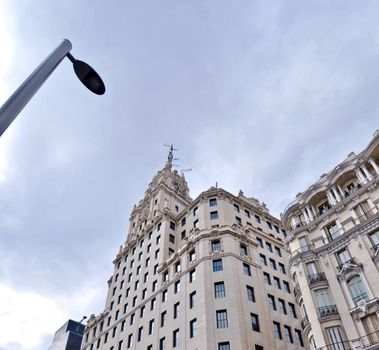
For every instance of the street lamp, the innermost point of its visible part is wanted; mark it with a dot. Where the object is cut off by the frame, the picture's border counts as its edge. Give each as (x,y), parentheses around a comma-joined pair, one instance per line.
(86,74)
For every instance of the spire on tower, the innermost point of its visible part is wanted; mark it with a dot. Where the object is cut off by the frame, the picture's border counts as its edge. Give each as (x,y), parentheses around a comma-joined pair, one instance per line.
(170,156)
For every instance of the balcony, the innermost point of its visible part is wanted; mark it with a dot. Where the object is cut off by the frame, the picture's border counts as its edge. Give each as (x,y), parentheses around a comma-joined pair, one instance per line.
(347,265)
(341,345)
(370,340)
(316,277)
(365,216)
(363,296)
(304,322)
(326,311)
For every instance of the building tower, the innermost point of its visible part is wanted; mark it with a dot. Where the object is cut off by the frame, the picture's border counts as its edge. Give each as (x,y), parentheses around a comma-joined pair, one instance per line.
(202,274)
(334,253)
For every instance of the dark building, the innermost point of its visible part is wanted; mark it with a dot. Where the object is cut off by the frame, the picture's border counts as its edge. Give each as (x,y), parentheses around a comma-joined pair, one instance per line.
(68,337)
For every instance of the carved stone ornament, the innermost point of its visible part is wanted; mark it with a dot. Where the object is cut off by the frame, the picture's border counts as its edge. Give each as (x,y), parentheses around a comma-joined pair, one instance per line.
(348,268)
(363,308)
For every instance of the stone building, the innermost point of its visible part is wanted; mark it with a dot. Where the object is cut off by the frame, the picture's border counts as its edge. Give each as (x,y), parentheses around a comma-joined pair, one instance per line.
(208,273)
(333,240)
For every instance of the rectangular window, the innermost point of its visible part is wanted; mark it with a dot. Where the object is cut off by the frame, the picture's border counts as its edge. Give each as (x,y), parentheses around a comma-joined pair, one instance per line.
(236,208)
(151,326)
(217,265)
(177,287)
(277,283)
(277,330)
(195,211)
(250,293)
(299,338)
(164,296)
(134,301)
(175,338)
(214,215)
(254,322)
(260,242)
(282,306)
(130,340)
(269,247)
(222,319)
(192,255)
(263,260)
(247,214)
(163,318)
(162,343)
(192,276)
(192,299)
(176,310)
(257,219)
(183,221)
(192,325)
(282,268)
(142,311)
(292,310)
(219,289)
(132,317)
(172,239)
(288,333)
(273,264)
(269,225)
(177,267)
(271,302)
(216,245)
(224,345)
(267,278)
(139,337)
(278,251)
(196,223)
(246,269)
(212,202)
(243,249)
(154,286)
(152,304)
(183,234)
(286,287)
(238,220)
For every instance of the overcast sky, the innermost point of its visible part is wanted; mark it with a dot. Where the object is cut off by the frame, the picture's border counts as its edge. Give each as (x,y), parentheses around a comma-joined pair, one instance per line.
(262,96)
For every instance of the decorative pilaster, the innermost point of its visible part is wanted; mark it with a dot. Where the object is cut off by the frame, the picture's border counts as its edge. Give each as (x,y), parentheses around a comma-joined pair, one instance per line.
(374,165)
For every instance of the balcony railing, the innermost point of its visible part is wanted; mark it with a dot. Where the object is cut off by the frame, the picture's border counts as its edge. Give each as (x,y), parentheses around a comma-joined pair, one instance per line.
(363,296)
(316,277)
(328,310)
(370,339)
(296,289)
(333,235)
(341,345)
(351,261)
(304,322)
(375,248)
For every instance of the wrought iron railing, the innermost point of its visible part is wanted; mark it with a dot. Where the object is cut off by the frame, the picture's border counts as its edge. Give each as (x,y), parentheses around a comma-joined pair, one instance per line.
(375,248)
(363,296)
(370,339)
(316,277)
(365,216)
(341,345)
(329,310)
(351,261)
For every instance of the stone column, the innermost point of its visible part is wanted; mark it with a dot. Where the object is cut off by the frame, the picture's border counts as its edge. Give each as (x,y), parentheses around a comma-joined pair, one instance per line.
(306,217)
(374,165)
(360,177)
(336,195)
(309,211)
(331,200)
(340,189)
(366,172)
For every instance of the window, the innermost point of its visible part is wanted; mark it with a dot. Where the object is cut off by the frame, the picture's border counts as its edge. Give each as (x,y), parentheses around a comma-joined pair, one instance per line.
(246,269)
(147,262)
(343,256)
(217,265)
(260,242)
(157,254)
(214,215)
(172,239)
(139,256)
(144,292)
(278,251)
(151,326)
(292,310)
(154,286)
(163,318)
(177,267)
(258,347)
(192,276)
(282,306)
(224,345)
(216,246)
(170,251)
(222,319)
(111,306)
(145,277)
(123,325)
(322,297)
(236,208)
(193,327)
(254,322)
(195,211)
(158,239)
(269,225)
(114,332)
(152,303)
(159,227)
(273,264)
(243,249)
(183,234)
(277,330)
(219,289)
(288,333)
(282,268)
(247,214)
(286,287)
(299,338)
(132,317)
(192,255)
(155,269)
(276,228)
(139,337)
(164,296)
(250,293)
(136,285)
(162,343)
(257,219)
(357,289)
(269,247)
(114,291)
(130,277)
(176,208)
(238,220)
(374,237)
(130,340)
(196,223)
(177,287)
(176,310)
(266,278)
(277,283)
(175,338)
(271,301)
(212,202)
(142,311)
(106,338)
(183,221)
(263,259)
(192,299)
(116,315)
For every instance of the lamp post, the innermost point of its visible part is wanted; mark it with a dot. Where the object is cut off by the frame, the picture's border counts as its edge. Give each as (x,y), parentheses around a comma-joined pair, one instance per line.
(86,74)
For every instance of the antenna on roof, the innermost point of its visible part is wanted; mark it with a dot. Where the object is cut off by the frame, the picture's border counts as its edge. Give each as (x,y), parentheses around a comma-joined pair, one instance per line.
(170,157)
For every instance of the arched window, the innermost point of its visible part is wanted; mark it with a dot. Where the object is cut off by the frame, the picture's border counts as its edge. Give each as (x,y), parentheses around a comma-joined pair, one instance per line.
(357,289)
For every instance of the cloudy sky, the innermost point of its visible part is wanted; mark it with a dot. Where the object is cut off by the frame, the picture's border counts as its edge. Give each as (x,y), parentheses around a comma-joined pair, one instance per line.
(262,96)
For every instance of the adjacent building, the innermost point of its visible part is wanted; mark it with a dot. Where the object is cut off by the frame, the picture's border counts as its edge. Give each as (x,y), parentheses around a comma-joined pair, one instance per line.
(68,337)
(333,240)
(208,273)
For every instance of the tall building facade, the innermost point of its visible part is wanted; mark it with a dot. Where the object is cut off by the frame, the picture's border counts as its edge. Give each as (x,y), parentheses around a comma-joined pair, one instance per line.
(68,337)
(333,242)
(208,273)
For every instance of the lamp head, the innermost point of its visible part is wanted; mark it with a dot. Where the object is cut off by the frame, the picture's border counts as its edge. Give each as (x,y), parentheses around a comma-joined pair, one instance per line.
(88,76)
